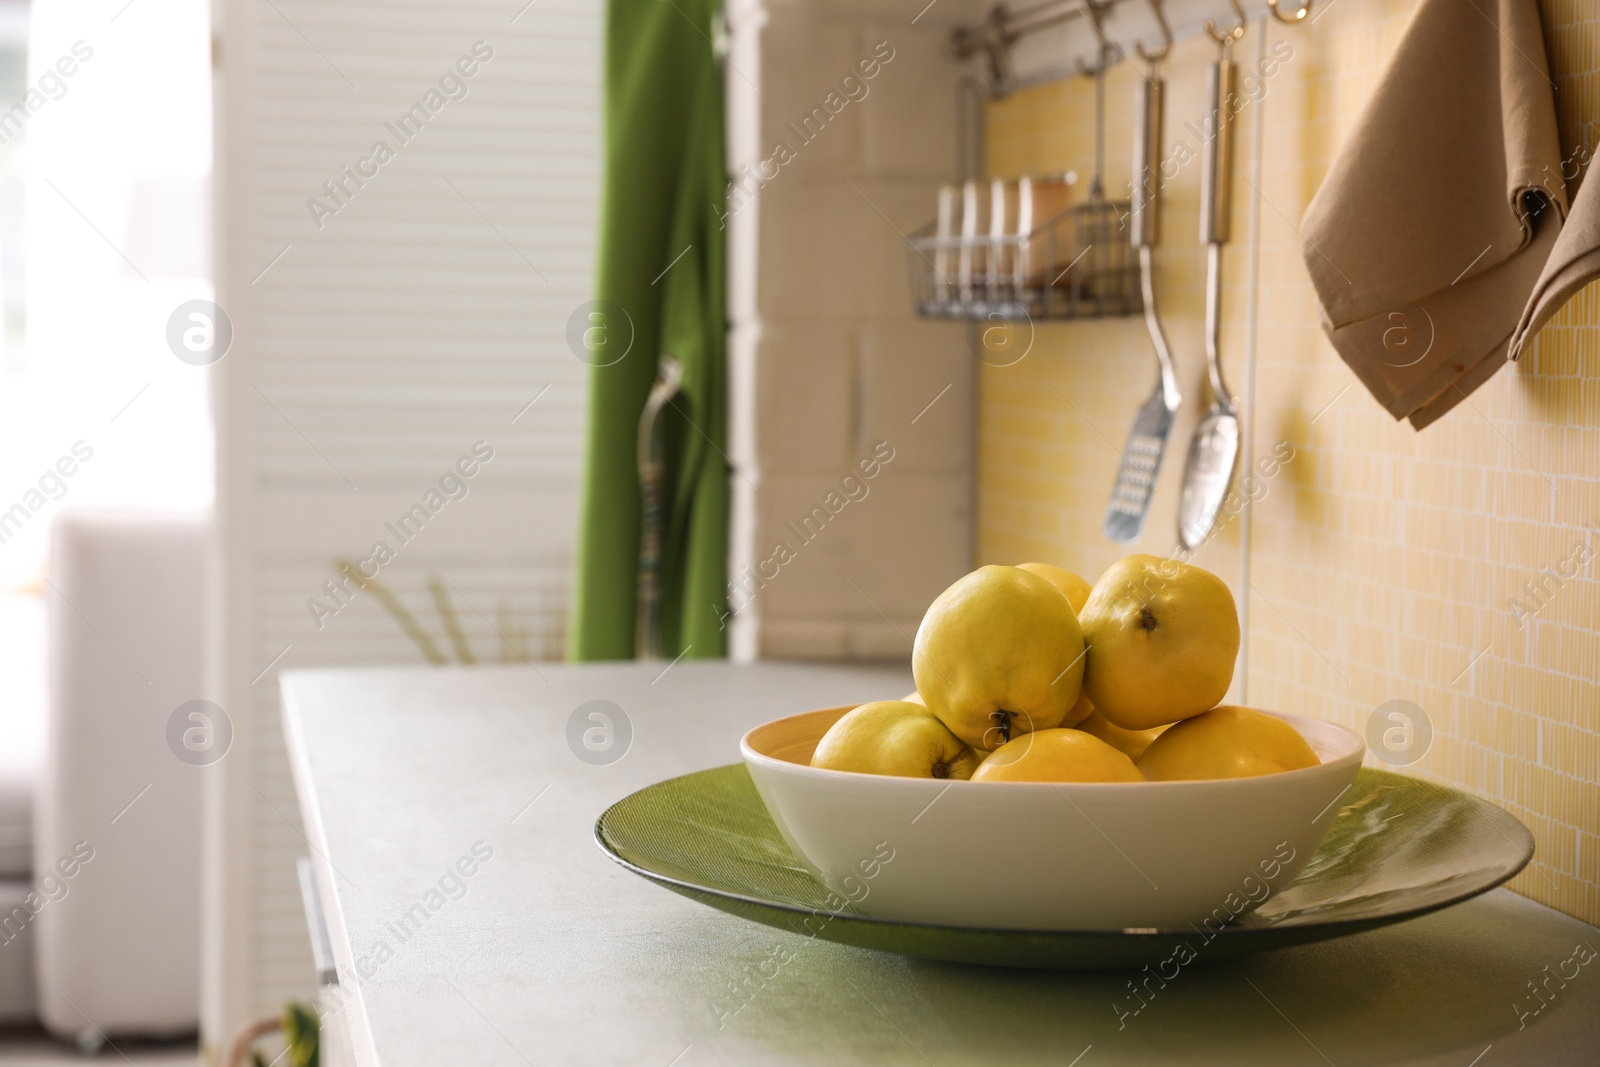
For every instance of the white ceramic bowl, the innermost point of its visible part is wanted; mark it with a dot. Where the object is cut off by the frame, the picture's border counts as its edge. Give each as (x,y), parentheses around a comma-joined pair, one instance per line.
(1048,856)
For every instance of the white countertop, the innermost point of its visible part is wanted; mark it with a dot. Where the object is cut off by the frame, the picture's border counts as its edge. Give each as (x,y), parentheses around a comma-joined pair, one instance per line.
(550,953)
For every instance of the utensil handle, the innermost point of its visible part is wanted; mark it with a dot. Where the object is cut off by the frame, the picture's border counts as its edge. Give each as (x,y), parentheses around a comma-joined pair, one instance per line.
(1158,336)
(1219,387)
(1145,216)
(1216,168)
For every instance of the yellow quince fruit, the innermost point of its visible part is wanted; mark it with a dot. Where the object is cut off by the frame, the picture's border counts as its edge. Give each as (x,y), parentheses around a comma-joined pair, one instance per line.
(1060,755)
(1131,743)
(1162,639)
(894,737)
(1074,588)
(999,654)
(1226,742)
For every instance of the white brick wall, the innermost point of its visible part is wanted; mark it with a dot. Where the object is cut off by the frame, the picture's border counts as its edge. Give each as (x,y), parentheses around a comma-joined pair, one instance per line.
(825,356)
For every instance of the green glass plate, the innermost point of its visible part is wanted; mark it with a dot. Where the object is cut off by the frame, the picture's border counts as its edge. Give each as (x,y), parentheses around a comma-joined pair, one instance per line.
(1400,847)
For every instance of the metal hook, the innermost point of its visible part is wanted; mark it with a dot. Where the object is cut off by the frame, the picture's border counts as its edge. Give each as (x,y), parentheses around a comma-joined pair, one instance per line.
(1153,58)
(1225,39)
(1090,10)
(1298,16)
(1086,70)
(997,49)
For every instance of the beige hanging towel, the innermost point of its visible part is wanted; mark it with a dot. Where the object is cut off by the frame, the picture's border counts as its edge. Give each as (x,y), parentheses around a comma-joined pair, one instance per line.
(1574,263)
(1436,218)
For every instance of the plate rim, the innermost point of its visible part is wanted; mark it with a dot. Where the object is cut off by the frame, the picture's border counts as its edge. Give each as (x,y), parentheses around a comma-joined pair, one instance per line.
(1231,930)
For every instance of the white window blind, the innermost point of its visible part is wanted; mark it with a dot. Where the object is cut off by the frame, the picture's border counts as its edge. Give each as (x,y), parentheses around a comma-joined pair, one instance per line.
(407,192)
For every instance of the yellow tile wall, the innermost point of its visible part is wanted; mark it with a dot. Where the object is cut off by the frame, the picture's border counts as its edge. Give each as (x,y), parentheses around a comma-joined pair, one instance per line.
(1380,562)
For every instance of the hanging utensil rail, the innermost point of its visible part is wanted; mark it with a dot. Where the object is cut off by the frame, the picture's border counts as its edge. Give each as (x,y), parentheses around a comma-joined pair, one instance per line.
(1002,27)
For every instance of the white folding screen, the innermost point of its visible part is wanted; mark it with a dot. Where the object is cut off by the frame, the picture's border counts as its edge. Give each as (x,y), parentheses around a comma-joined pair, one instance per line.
(406,202)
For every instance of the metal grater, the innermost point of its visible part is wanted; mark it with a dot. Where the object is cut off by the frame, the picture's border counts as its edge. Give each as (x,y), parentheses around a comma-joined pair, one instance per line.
(1141,461)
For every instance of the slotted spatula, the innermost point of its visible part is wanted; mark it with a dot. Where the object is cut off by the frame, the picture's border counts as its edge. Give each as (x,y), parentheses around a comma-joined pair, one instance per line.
(1147,440)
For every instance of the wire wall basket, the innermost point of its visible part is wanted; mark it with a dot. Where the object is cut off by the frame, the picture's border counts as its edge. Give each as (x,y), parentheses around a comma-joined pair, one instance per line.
(1078,264)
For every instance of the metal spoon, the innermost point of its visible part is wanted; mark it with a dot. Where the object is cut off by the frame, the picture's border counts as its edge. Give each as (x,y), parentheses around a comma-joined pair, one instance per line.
(1214,449)
(1147,440)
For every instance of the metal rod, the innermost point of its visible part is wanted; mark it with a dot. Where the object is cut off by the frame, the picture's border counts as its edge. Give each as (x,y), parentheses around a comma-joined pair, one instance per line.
(1002,27)
(1252,324)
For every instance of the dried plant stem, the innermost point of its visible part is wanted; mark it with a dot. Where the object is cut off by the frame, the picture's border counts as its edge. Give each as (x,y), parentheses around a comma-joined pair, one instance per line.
(392,605)
(447,616)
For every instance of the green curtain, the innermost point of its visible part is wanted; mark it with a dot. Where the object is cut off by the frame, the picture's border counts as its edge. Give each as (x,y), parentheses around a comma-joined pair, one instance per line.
(661,261)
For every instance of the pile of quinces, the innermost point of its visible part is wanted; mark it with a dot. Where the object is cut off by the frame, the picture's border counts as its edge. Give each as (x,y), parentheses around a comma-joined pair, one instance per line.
(1029,674)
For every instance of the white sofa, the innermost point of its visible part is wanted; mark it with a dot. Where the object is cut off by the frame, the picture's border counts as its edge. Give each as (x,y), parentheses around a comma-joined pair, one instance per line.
(20,754)
(116,842)
(22,729)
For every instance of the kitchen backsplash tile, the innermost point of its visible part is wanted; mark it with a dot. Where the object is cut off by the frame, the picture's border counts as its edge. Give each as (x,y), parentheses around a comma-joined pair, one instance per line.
(1376,564)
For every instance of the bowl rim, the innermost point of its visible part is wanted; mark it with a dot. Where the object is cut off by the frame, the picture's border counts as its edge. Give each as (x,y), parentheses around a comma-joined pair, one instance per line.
(1353,749)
